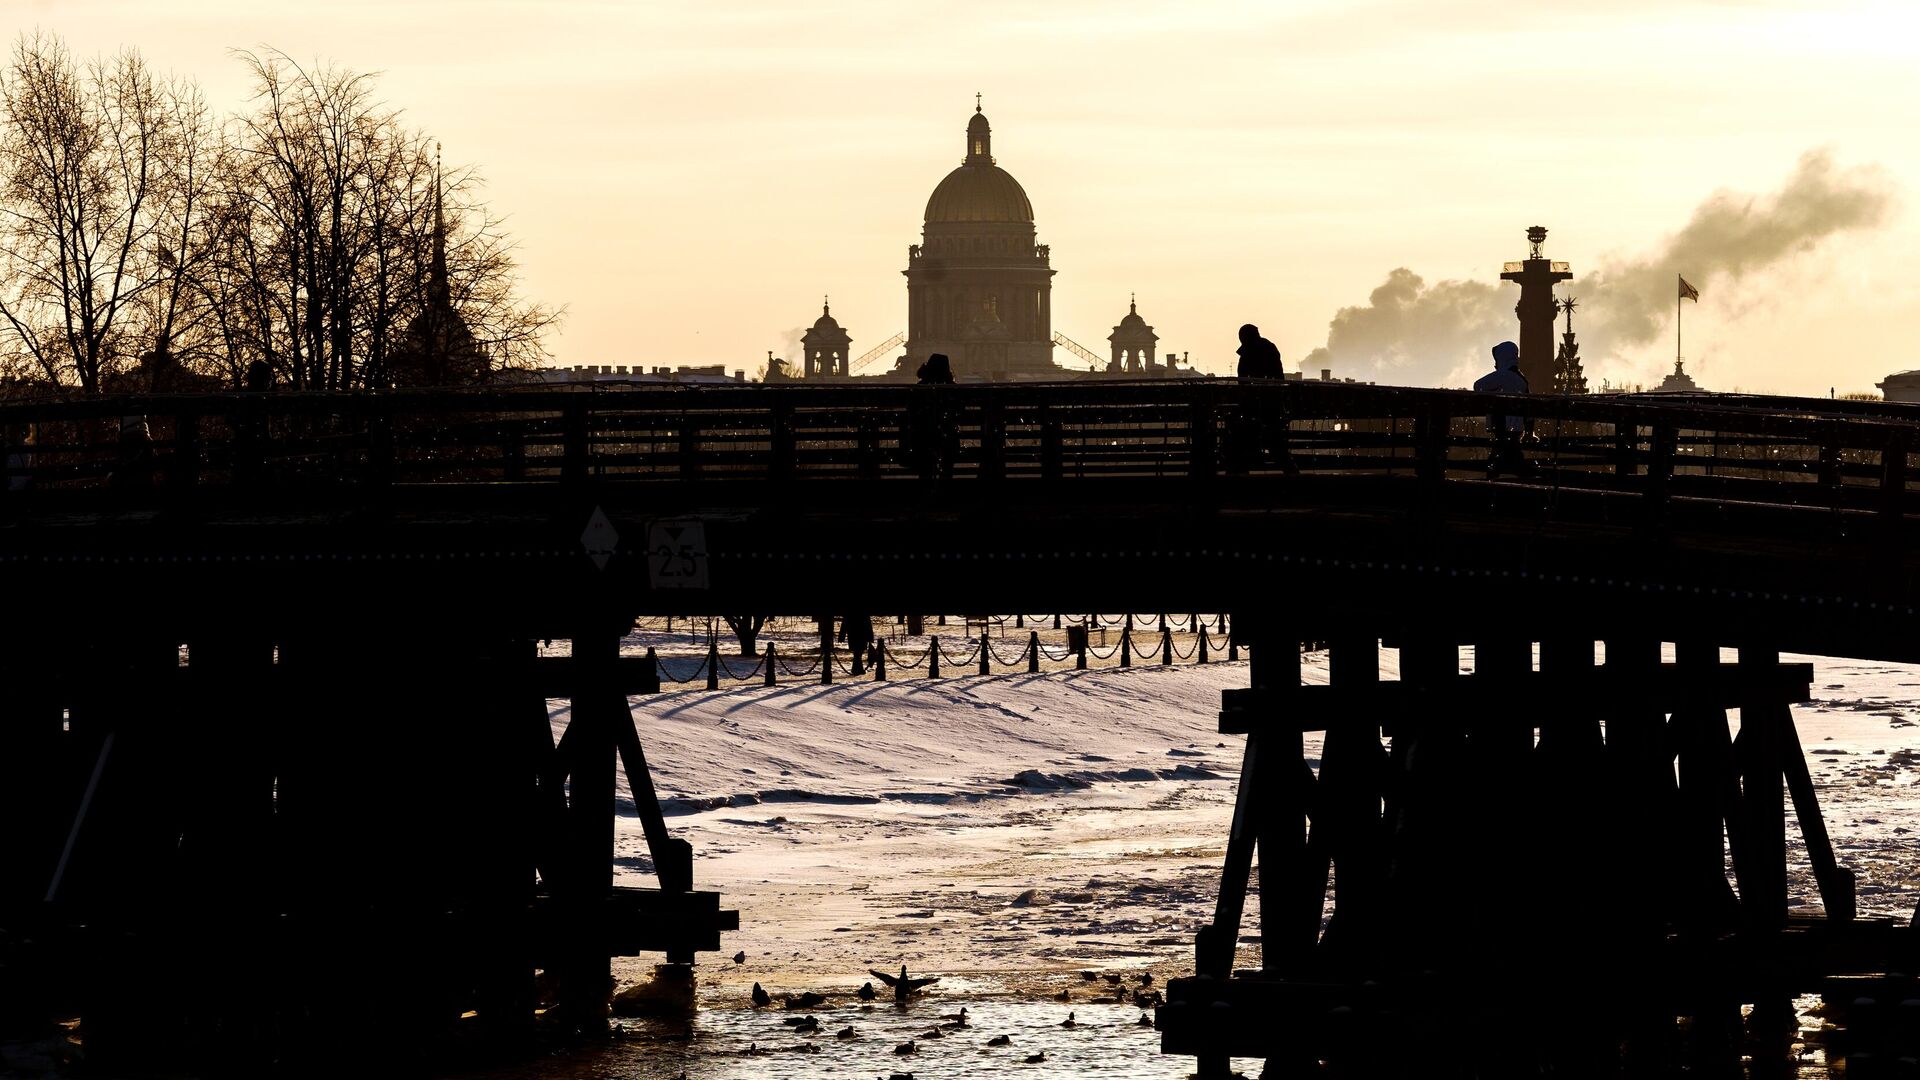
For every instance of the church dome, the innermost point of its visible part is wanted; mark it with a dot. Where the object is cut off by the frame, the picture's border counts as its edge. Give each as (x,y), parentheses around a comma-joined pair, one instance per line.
(979,193)
(826,321)
(979,190)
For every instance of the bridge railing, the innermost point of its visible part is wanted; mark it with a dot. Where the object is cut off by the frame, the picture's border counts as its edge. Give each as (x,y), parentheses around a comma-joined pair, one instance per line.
(1796,452)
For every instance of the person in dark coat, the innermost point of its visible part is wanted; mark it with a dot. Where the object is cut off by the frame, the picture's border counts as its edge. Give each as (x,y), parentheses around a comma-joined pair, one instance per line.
(937,369)
(1263,432)
(1259,358)
(936,437)
(1505,429)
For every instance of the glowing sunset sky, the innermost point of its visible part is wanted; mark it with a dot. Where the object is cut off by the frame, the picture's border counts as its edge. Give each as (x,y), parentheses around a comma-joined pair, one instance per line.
(689,179)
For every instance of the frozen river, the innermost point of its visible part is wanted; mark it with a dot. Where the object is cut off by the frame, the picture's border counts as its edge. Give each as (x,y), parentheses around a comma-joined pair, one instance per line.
(1014,833)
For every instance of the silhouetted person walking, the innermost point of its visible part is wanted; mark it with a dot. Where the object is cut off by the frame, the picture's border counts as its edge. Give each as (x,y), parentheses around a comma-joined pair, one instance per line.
(1505,429)
(937,369)
(936,437)
(1259,358)
(1263,431)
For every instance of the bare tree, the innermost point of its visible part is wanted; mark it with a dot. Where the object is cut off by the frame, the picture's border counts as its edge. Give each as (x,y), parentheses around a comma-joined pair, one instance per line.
(313,232)
(90,178)
(746,629)
(351,209)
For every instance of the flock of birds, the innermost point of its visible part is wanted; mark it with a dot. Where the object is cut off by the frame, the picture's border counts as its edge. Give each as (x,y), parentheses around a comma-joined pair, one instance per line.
(904,988)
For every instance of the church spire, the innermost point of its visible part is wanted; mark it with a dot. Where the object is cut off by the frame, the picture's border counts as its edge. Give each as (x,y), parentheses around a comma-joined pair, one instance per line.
(439,292)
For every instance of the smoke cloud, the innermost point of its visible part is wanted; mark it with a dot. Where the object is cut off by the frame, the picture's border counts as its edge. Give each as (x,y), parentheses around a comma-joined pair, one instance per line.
(1410,332)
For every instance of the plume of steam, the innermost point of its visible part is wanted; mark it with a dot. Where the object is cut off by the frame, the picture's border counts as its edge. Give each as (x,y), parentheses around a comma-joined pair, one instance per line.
(1412,332)
(790,345)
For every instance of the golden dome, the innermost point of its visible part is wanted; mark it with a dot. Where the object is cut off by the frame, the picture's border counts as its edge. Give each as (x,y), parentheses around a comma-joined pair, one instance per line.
(979,190)
(979,193)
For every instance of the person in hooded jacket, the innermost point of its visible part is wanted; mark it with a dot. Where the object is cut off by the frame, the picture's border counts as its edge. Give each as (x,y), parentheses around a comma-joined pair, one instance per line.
(1507,430)
(936,435)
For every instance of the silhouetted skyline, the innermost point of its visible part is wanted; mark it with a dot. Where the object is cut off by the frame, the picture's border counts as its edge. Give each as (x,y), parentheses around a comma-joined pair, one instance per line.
(688,182)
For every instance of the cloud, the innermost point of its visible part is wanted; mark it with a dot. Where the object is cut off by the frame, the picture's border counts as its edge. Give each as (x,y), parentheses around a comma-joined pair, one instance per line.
(1411,332)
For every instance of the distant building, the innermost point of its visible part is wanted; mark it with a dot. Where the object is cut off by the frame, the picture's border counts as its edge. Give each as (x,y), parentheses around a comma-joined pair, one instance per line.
(437,348)
(1900,386)
(1133,342)
(824,347)
(637,374)
(1677,383)
(978,286)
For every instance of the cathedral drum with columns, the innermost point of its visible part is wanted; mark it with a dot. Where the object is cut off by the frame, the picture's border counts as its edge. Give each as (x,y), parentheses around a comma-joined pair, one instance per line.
(977,284)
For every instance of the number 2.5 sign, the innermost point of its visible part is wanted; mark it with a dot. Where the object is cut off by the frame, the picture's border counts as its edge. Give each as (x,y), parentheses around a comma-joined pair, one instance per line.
(677,555)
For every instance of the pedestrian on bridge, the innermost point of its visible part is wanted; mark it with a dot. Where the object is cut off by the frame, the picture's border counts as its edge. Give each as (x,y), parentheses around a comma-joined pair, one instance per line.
(936,435)
(1262,432)
(1507,430)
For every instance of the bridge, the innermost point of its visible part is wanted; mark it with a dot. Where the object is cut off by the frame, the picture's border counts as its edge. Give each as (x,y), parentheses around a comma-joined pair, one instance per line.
(246,624)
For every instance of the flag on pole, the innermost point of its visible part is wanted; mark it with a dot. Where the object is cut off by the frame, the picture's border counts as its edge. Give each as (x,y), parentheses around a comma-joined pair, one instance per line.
(1688,292)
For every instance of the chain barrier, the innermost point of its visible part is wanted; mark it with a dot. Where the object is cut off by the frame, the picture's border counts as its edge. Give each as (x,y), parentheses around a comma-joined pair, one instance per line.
(666,674)
(903,660)
(947,657)
(1146,643)
(788,669)
(1019,658)
(726,669)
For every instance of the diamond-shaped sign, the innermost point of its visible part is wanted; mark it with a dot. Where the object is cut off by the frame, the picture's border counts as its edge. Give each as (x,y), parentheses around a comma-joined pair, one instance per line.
(599,539)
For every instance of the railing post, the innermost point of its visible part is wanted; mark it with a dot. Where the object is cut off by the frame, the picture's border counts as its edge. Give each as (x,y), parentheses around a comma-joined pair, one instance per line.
(770,664)
(1033,652)
(933,657)
(1660,470)
(1051,455)
(826,649)
(1626,437)
(1126,643)
(713,665)
(689,448)
(993,440)
(1202,646)
(1893,477)
(780,442)
(869,448)
(1202,445)
(985,655)
(1233,648)
(1056,621)
(574,442)
(380,452)
(880,660)
(1166,645)
(513,450)
(1830,467)
(1431,432)
(184,470)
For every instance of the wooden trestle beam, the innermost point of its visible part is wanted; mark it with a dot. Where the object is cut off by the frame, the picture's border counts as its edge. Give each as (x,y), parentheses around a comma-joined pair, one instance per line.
(1665,687)
(1567,796)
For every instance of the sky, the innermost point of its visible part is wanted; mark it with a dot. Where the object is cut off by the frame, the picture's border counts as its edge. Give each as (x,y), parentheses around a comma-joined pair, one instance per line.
(690,179)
